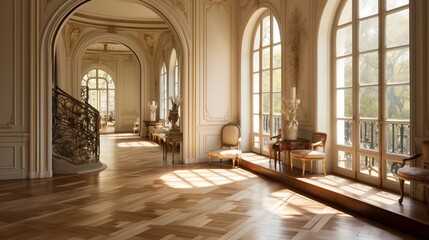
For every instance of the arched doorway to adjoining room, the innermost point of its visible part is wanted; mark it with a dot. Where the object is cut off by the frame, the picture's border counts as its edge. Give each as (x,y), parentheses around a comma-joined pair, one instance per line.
(40,143)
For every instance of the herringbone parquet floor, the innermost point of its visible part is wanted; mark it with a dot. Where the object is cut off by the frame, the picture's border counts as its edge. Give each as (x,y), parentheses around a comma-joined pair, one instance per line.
(138,197)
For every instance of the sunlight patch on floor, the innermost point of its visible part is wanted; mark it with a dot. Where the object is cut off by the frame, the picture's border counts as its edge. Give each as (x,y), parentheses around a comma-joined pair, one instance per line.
(205,177)
(137,144)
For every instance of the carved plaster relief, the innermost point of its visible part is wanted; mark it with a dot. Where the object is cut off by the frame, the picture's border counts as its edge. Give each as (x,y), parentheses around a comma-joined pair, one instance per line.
(226,4)
(73,36)
(9,124)
(298,60)
(150,41)
(181,5)
(250,4)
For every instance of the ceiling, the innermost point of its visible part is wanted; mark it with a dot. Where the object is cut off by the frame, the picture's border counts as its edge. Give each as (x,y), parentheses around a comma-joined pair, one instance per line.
(119,13)
(118,10)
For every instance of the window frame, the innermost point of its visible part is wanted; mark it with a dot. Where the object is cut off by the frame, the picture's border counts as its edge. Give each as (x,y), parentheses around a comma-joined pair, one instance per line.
(272,120)
(381,121)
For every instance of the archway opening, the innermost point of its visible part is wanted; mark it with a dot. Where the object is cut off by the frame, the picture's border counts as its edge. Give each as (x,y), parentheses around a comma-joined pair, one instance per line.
(71,42)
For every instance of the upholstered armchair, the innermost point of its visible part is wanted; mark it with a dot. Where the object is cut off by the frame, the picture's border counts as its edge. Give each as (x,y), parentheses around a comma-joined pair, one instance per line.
(230,147)
(415,174)
(316,152)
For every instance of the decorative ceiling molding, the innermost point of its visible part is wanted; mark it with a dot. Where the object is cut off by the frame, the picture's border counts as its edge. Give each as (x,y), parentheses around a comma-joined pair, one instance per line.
(118,23)
(180,5)
(224,3)
(250,4)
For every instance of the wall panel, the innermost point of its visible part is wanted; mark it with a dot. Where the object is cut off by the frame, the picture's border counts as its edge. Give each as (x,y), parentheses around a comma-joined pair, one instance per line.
(7,64)
(217,62)
(14,92)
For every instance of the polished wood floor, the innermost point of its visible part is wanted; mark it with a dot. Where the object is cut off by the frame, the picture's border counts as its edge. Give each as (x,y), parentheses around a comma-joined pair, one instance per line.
(139,197)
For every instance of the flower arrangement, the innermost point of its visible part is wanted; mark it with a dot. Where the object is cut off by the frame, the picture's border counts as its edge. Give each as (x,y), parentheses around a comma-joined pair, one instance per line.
(175,101)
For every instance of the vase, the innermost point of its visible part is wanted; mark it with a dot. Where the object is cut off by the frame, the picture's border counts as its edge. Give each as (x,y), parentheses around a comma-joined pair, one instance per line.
(290,125)
(173,117)
(291,132)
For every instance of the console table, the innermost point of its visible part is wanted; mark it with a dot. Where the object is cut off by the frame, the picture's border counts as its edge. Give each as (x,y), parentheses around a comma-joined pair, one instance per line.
(288,145)
(171,138)
(148,124)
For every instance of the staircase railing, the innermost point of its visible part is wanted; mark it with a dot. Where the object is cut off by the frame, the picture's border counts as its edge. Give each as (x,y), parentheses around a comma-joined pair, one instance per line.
(75,137)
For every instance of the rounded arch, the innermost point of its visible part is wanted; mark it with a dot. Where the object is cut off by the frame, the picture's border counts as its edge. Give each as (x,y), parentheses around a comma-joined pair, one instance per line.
(42,82)
(105,68)
(245,75)
(324,67)
(141,54)
(110,85)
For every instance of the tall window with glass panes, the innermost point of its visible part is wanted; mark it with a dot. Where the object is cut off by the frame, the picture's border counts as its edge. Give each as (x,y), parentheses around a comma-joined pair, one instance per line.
(372,89)
(266,82)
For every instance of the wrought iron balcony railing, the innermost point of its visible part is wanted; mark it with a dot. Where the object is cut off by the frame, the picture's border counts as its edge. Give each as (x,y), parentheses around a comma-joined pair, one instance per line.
(397,136)
(266,124)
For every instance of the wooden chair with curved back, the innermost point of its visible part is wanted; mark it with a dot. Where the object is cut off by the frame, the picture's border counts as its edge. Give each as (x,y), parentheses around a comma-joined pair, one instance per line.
(230,147)
(273,147)
(415,174)
(318,140)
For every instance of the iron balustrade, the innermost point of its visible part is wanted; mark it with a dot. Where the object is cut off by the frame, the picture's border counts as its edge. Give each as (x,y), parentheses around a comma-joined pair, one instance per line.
(397,140)
(75,129)
(266,124)
(84,94)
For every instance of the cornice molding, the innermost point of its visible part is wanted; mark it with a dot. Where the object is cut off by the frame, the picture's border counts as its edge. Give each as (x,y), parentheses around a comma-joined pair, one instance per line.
(118,23)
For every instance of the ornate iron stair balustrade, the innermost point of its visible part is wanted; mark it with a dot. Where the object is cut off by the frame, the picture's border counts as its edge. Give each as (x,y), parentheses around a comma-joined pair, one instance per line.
(76,137)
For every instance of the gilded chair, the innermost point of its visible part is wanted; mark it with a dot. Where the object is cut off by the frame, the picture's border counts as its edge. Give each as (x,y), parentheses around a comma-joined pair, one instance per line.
(318,141)
(415,174)
(230,147)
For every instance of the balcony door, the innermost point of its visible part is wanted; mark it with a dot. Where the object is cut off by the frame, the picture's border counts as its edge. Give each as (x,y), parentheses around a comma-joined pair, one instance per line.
(372,89)
(266,82)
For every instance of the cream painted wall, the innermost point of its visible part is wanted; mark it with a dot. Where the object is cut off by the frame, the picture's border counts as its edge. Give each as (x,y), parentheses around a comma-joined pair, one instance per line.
(215,80)
(14,89)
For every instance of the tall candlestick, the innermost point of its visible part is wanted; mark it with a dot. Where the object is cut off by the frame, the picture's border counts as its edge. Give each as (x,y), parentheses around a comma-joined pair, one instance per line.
(293,93)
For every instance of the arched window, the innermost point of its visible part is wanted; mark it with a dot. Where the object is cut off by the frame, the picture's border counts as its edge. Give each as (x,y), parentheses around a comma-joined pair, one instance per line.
(176,78)
(372,89)
(101,92)
(163,106)
(266,82)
